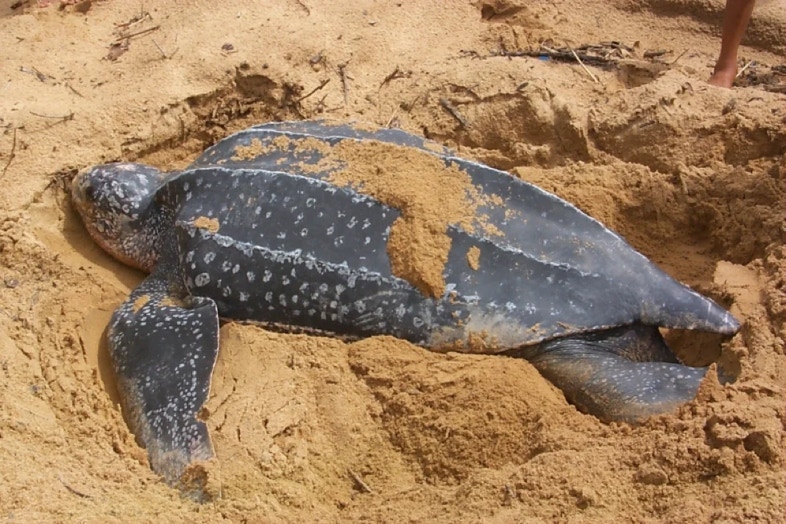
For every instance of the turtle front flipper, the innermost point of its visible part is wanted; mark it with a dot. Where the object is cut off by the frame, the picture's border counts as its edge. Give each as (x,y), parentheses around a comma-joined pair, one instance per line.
(623,374)
(163,345)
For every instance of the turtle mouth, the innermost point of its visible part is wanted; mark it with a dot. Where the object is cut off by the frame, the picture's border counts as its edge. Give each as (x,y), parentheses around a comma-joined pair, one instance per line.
(81,189)
(108,239)
(105,232)
(110,200)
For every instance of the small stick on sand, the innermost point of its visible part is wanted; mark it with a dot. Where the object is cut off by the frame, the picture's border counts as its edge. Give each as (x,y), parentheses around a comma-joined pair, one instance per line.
(64,118)
(320,86)
(411,106)
(304,6)
(655,54)
(450,108)
(590,73)
(159,48)
(397,73)
(746,66)
(342,72)
(675,60)
(359,481)
(392,117)
(140,32)
(12,155)
(162,51)
(69,86)
(42,77)
(72,490)
(137,19)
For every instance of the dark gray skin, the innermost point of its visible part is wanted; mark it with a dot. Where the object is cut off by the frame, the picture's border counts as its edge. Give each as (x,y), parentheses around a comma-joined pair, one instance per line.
(262,239)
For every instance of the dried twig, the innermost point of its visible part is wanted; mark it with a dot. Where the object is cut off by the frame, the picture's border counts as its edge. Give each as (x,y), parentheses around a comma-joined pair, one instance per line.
(562,55)
(166,57)
(12,155)
(159,48)
(42,77)
(746,66)
(304,6)
(141,17)
(407,107)
(69,86)
(359,481)
(320,86)
(72,490)
(392,117)
(676,59)
(342,72)
(397,73)
(591,75)
(450,108)
(415,100)
(655,54)
(138,33)
(603,54)
(64,118)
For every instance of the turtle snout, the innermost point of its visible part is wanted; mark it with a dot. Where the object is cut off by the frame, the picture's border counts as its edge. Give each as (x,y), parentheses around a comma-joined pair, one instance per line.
(79,188)
(122,189)
(113,201)
(83,196)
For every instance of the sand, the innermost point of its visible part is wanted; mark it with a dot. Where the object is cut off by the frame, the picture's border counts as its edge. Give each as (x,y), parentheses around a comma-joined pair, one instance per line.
(318,430)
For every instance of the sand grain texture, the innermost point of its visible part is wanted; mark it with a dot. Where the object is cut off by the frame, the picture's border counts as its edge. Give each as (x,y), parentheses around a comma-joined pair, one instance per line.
(691,175)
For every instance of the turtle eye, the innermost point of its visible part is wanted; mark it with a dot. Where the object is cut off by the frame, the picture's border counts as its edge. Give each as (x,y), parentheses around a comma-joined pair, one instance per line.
(90,193)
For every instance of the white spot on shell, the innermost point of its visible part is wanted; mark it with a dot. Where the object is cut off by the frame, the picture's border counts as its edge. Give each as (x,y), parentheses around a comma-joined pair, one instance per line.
(401,310)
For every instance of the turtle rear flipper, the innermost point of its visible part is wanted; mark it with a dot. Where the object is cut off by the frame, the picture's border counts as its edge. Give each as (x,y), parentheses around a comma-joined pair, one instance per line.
(163,346)
(624,374)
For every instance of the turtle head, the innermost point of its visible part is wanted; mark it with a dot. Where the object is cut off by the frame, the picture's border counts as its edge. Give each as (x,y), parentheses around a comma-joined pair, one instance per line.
(116,204)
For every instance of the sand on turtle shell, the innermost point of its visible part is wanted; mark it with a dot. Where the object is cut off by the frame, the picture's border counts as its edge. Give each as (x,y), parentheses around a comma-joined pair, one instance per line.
(310,428)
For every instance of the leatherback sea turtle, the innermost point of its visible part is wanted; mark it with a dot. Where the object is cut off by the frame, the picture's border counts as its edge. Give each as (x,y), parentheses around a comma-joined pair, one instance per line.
(289,224)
